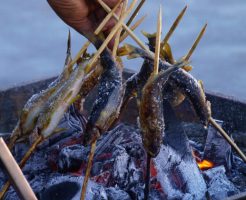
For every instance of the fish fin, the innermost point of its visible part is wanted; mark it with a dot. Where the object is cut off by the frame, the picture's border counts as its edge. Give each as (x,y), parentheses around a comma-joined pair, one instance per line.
(166,53)
(58,130)
(200,82)
(181,63)
(187,68)
(128,50)
(74,99)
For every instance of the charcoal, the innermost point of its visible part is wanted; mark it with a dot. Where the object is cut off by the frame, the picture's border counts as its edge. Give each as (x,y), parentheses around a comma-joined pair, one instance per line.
(217,149)
(177,170)
(96,168)
(19,150)
(68,188)
(71,158)
(219,187)
(135,150)
(60,191)
(137,192)
(120,168)
(116,194)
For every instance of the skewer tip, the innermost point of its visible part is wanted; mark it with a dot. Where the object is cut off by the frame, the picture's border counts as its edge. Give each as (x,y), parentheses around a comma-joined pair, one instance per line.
(158,42)
(187,57)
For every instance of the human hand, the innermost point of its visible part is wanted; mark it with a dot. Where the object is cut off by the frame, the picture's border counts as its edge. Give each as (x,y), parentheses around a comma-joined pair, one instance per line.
(84,15)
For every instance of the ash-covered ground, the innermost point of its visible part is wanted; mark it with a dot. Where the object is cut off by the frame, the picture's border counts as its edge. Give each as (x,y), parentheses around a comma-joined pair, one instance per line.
(56,169)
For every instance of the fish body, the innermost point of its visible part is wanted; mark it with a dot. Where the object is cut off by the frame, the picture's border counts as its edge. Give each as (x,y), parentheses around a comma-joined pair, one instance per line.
(109,99)
(151,111)
(58,105)
(36,104)
(180,81)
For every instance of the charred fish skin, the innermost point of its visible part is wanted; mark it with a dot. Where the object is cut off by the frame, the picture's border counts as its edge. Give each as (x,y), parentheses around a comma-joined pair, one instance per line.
(107,105)
(151,111)
(138,80)
(90,81)
(182,84)
(190,87)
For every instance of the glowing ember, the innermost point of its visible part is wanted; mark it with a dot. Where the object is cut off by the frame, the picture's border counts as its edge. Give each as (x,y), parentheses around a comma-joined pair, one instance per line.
(205,164)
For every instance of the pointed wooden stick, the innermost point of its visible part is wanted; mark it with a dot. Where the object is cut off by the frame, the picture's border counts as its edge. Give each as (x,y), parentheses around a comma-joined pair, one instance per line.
(228,139)
(88,170)
(173,27)
(22,163)
(97,31)
(110,36)
(134,14)
(117,37)
(147,178)
(135,38)
(18,180)
(158,43)
(133,27)
(187,57)
(107,18)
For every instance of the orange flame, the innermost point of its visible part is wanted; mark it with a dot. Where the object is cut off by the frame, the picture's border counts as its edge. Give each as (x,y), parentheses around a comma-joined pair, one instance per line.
(205,164)
(202,164)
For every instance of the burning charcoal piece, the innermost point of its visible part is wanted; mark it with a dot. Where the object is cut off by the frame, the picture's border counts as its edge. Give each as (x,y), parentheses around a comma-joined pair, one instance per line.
(71,158)
(219,187)
(217,149)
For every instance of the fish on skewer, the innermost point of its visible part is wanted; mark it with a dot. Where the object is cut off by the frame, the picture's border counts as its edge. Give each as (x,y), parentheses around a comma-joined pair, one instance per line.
(53,112)
(106,107)
(36,103)
(181,80)
(133,86)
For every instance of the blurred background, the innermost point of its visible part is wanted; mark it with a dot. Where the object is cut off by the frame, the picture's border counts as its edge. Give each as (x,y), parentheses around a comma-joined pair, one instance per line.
(33,41)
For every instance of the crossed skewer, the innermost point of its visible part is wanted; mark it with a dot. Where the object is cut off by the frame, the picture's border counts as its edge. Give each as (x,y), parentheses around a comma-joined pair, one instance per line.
(120,36)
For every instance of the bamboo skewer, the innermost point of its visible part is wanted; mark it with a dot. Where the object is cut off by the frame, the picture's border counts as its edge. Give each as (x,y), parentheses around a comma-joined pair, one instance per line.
(88,170)
(134,14)
(107,18)
(117,37)
(133,27)
(22,163)
(155,72)
(158,43)
(227,138)
(173,27)
(138,41)
(110,36)
(187,57)
(97,31)
(21,185)
(147,178)
(93,145)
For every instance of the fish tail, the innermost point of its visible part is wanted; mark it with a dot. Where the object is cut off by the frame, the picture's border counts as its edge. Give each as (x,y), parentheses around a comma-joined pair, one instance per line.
(68,59)
(149,35)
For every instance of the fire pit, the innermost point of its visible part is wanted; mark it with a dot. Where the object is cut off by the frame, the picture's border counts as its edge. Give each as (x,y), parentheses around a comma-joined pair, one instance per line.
(57,168)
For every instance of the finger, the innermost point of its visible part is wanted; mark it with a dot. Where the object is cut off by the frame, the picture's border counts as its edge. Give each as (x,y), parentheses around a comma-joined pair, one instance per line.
(72,12)
(113,21)
(111,3)
(111,43)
